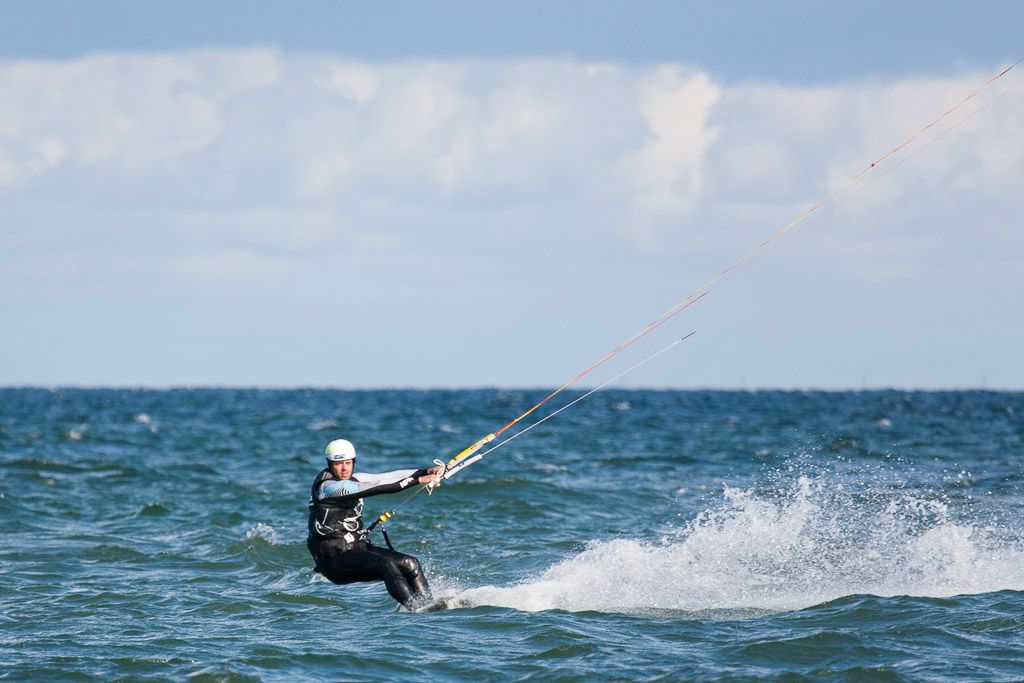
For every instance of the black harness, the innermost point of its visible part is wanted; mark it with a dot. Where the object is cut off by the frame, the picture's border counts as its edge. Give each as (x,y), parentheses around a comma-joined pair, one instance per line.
(330,520)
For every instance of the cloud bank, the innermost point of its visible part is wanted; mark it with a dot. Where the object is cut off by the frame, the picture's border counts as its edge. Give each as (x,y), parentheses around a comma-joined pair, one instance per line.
(255,193)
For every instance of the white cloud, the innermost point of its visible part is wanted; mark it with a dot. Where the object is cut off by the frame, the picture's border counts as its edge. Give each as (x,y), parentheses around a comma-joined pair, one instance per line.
(452,127)
(653,157)
(122,115)
(668,169)
(358,83)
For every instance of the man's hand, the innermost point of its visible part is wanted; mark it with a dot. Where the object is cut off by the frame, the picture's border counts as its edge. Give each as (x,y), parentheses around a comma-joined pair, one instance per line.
(433,476)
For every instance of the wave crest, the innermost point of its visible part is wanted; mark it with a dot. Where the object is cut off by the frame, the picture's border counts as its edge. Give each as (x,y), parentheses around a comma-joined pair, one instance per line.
(262,532)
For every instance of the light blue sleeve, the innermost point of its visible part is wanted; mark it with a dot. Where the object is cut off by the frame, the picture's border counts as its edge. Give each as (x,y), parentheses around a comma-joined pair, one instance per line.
(340,488)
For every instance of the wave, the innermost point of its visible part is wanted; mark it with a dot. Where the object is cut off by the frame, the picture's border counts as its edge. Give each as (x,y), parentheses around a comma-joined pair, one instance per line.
(262,532)
(778,551)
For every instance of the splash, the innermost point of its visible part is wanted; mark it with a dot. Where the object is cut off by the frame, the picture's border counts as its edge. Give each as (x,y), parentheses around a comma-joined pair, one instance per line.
(778,551)
(145,419)
(262,532)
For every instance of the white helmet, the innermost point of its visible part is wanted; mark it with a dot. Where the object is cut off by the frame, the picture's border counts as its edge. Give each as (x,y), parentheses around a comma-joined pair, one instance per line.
(340,449)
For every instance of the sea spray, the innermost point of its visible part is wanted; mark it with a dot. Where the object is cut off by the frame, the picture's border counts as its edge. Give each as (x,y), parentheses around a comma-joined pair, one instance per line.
(813,542)
(262,532)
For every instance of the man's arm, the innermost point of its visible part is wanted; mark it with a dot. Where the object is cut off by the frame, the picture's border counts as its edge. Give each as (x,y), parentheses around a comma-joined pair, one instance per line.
(423,475)
(366,485)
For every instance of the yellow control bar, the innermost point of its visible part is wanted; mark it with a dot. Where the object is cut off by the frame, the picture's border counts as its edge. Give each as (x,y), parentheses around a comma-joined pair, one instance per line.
(471,450)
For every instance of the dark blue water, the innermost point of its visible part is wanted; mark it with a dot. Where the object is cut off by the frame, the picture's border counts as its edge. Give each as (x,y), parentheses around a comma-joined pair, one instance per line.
(639,535)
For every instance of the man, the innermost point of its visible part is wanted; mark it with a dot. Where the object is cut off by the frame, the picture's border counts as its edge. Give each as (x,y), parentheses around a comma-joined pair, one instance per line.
(337,539)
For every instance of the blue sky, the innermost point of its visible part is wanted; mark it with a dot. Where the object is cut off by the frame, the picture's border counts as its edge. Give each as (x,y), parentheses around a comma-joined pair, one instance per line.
(792,42)
(479,194)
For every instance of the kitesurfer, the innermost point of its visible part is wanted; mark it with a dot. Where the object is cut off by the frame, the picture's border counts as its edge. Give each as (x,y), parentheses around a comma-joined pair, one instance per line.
(337,539)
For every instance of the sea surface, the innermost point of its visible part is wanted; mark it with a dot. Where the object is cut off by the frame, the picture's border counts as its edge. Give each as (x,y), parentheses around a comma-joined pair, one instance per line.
(639,535)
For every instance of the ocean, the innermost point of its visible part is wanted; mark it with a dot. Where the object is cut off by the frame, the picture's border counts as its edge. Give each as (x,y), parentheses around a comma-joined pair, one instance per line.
(639,535)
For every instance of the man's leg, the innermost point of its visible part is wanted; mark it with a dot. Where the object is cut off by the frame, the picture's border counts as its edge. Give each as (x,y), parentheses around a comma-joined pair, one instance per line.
(402,575)
(407,574)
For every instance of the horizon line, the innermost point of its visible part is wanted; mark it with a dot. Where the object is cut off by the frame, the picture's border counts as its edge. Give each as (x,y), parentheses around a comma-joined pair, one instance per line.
(492,387)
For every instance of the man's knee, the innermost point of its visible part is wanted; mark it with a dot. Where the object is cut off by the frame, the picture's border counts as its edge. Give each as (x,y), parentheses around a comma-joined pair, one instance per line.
(409,565)
(403,566)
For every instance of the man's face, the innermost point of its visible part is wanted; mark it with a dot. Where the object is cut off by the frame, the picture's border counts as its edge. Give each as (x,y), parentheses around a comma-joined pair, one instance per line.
(342,469)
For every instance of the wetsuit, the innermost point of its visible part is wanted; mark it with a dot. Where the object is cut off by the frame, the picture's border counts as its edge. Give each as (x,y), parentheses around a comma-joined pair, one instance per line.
(339,544)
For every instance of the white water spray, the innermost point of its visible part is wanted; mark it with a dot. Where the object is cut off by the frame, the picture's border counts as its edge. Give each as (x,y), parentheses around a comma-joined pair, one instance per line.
(813,543)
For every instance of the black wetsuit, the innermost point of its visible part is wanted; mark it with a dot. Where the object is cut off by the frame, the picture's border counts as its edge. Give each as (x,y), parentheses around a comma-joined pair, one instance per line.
(339,544)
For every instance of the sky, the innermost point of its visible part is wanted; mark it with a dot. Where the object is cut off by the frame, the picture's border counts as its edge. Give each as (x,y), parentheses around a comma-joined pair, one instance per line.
(465,194)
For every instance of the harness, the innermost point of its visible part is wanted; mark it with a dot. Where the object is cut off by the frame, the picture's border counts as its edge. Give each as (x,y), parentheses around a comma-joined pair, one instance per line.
(333,520)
